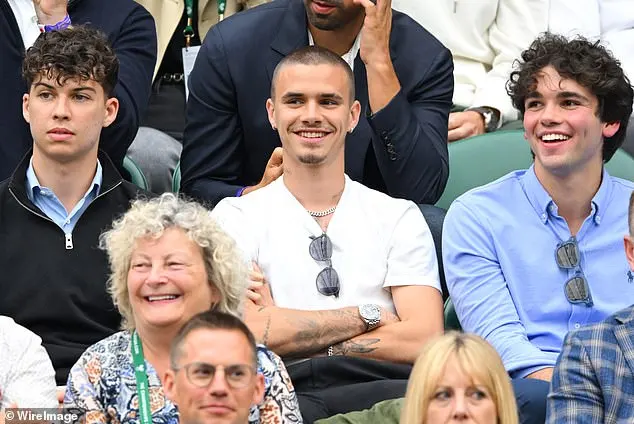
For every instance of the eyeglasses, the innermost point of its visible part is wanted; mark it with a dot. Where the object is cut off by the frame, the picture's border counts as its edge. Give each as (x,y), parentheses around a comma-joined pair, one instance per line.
(576,288)
(327,280)
(201,374)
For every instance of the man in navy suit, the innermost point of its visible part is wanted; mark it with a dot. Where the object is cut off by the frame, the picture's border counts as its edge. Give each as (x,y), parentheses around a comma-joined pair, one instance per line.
(404,83)
(593,380)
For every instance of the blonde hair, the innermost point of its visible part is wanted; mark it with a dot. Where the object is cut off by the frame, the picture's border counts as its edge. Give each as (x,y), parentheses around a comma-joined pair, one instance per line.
(226,271)
(477,358)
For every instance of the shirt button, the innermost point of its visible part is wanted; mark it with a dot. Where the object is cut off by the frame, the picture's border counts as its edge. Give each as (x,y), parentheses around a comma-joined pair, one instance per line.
(577,325)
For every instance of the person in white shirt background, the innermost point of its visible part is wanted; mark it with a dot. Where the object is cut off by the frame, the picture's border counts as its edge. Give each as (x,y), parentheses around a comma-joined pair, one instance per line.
(485,37)
(27,378)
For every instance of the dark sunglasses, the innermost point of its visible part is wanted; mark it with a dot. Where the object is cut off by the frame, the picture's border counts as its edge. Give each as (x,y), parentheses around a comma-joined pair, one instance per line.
(576,288)
(327,282)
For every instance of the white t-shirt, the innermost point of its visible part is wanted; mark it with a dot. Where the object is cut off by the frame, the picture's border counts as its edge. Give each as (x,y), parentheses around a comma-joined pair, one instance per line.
(27,377)
(378,242)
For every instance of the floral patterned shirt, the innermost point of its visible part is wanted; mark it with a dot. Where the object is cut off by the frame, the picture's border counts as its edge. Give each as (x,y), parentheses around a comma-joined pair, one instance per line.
(103,383)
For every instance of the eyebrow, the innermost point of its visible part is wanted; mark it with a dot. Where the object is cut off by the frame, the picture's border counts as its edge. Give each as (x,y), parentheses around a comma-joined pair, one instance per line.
(561,95)
(292,95)
(50,87)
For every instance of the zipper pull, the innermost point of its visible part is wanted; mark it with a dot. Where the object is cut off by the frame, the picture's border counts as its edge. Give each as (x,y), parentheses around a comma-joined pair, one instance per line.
(69,241)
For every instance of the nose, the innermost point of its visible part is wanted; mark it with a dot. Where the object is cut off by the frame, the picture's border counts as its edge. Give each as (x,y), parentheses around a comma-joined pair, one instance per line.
(311,113)
(61,110)
(550,115)
(460,408)
(156,275)
(218,384)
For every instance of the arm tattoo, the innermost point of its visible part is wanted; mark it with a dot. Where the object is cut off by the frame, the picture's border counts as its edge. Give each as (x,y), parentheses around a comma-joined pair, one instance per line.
(315,334)
(265,338)
(353,347)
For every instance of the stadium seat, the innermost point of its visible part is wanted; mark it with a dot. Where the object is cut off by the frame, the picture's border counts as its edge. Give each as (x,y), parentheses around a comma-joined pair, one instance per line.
(136,175)
(176,178)
(435,217)
(621,165)
(451,318)
(478,160)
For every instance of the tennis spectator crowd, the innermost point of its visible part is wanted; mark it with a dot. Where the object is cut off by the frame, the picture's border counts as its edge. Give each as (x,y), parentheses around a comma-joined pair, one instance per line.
(317,211)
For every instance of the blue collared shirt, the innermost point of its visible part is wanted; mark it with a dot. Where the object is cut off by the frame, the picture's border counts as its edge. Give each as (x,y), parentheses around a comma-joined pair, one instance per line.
(47,201)
(499,245)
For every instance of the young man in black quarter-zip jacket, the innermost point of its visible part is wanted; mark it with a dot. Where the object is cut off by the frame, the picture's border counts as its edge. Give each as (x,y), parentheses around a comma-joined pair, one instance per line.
(63,194)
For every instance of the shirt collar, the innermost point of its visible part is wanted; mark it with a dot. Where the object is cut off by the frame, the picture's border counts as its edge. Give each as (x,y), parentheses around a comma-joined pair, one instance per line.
(544,206)
(350,55)
(33,186)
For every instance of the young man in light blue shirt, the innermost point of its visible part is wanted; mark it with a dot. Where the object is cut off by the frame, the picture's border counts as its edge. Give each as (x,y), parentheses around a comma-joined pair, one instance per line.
(539,252)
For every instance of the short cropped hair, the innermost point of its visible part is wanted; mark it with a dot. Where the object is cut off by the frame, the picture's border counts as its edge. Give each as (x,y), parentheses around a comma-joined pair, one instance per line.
(476,358)
(225,268)
(211,320)
(79,52)
(591,66)
(631,214)
(314,55)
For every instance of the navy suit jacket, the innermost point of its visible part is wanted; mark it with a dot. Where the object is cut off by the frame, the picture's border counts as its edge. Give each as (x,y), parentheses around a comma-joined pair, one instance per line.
(132,34)
(593,381)
(400,150)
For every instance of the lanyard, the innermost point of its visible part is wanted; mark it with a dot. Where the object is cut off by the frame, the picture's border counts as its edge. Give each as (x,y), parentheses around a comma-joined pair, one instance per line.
(222,5)
(188,32)
(143,391)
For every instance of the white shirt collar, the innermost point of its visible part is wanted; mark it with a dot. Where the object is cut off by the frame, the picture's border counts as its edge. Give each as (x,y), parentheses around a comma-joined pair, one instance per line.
(25,16)
(350,55)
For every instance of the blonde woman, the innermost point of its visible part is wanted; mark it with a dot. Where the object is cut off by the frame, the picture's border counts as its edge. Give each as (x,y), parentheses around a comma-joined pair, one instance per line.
(459,376)
(169,262)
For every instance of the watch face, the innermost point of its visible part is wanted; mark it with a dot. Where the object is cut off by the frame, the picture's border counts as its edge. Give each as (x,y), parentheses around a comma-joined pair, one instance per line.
(370,312)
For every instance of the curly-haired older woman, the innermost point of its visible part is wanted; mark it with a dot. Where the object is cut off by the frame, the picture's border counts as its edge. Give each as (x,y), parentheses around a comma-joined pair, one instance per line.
(169,261)
(459,376)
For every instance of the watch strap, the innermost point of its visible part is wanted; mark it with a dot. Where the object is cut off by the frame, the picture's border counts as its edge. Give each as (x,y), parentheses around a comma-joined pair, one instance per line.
(490,115)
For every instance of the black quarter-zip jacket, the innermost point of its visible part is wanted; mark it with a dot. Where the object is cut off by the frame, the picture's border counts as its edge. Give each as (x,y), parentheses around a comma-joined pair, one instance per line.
(54,284)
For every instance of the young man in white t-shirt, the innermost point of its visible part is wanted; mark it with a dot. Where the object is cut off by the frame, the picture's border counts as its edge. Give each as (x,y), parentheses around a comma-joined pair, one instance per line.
(345,280)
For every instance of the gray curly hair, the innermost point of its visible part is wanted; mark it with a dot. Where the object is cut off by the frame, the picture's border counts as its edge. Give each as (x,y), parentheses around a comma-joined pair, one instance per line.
(225,269)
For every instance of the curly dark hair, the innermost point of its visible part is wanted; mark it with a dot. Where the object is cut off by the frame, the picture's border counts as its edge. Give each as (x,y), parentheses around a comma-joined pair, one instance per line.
(77,52)
(587,63)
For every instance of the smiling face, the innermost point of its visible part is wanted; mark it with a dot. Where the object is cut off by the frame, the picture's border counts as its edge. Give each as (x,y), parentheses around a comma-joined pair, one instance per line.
(459,398)
(167,281)
(218,401)
(313,111)
(563,127)
(330,15)
(66,120)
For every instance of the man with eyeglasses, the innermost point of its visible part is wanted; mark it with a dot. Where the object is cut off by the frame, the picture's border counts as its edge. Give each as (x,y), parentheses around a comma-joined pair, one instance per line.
(593,380)
(345,280)
(538,252)
(213,374)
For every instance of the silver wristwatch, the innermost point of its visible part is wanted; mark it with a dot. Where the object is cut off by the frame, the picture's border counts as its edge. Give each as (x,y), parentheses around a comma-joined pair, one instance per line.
(371,315)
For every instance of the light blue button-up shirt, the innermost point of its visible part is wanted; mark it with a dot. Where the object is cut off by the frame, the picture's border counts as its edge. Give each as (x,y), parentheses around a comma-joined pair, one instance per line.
(47,201)
(499,245)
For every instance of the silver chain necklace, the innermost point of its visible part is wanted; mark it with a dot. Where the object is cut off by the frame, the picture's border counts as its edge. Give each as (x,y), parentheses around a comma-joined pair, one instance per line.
(322,213)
